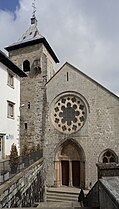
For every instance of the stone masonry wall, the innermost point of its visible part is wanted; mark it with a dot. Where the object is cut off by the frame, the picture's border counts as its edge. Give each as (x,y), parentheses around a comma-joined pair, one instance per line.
(33,92)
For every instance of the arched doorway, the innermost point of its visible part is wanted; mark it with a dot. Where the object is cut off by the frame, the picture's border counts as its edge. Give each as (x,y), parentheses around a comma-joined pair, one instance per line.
(70,165)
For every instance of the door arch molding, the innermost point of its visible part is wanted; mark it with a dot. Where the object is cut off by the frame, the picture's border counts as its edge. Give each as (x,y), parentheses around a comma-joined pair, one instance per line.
(69,161)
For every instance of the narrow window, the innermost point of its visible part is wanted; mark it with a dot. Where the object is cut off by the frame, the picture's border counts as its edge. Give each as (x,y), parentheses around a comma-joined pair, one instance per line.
(28,105)
(26,66)
(10,80)
(10,109)
(67,76)
(25,126)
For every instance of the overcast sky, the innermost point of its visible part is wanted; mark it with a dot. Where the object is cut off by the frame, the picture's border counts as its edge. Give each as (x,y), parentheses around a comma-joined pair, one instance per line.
(84,33)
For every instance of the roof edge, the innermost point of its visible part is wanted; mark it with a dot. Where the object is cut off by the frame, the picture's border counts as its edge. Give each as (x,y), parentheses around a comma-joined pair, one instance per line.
(94,81)
(79,71)
(4,59)
(32,42)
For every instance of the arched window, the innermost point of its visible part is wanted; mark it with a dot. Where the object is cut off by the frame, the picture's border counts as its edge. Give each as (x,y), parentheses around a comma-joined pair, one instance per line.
(108,157)
(26,66)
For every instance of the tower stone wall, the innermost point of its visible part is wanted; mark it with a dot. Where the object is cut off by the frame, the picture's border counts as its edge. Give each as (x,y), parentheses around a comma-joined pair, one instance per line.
(33,92)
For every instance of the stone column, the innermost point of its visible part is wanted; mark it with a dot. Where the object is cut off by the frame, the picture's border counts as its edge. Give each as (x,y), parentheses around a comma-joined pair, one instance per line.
(60,174)
(70,174)
(57,173)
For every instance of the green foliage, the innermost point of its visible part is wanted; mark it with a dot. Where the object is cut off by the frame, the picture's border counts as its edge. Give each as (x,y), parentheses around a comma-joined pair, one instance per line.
(14,159)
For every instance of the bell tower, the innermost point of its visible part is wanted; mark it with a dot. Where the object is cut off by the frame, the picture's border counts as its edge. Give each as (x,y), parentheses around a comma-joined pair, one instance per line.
(33,54)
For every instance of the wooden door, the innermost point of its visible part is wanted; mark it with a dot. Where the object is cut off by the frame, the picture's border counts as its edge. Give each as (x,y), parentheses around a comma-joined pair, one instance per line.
(65,172)
(76,173)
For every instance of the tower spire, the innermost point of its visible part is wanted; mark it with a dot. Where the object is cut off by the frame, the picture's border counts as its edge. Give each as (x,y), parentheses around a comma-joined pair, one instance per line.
(33,18)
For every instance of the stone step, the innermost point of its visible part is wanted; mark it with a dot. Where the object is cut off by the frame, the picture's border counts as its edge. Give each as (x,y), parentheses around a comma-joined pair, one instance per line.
(63,192)
(62,195)
(56,200)
(61,198)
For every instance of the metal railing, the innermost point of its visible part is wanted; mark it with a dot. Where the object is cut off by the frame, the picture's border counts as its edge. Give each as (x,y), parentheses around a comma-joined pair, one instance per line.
(8,169)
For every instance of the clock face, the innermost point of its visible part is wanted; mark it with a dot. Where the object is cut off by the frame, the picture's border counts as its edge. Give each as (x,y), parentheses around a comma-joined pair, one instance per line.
(69,114)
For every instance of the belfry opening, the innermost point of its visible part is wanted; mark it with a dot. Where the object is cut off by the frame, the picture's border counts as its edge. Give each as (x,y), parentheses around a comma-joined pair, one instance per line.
(70,165)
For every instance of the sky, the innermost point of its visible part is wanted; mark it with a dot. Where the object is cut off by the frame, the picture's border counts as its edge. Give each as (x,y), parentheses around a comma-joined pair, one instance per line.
(9,5)
(84,33)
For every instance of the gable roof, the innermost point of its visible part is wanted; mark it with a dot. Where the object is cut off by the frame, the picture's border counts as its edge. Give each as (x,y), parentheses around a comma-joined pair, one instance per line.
(85,75)
(8,63)
(31,37)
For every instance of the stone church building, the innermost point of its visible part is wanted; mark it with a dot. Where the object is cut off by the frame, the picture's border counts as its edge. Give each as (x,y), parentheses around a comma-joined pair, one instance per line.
(73,118)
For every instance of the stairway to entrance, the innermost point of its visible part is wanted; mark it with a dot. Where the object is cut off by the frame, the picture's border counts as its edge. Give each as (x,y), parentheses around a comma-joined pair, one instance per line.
(63,198)
(62,194)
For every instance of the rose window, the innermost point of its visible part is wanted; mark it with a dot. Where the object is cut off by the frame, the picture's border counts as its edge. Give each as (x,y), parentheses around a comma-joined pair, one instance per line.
(69,114)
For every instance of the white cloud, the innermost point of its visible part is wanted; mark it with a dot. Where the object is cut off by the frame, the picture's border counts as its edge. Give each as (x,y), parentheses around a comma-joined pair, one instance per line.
(83,32)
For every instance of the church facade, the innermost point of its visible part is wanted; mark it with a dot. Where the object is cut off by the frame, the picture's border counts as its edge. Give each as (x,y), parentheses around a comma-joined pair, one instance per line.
(71,116)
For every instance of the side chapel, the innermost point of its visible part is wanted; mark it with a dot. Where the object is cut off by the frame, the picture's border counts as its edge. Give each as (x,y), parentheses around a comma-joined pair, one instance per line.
(73,118)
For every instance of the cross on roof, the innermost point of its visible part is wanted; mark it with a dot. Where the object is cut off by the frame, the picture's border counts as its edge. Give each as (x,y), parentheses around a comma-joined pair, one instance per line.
(34,8)
(33,18)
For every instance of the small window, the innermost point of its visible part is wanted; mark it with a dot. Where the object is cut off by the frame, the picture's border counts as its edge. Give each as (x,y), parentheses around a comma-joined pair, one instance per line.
(25,126)
(108,157)
(10,81)
(10,110)
(26,66)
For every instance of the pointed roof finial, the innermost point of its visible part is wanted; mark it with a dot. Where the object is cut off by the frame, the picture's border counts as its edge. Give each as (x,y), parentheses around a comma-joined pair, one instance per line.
(34,8)
(33,18)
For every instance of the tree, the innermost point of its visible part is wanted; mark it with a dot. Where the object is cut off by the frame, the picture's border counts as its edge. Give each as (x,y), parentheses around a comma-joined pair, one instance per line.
(14,159)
